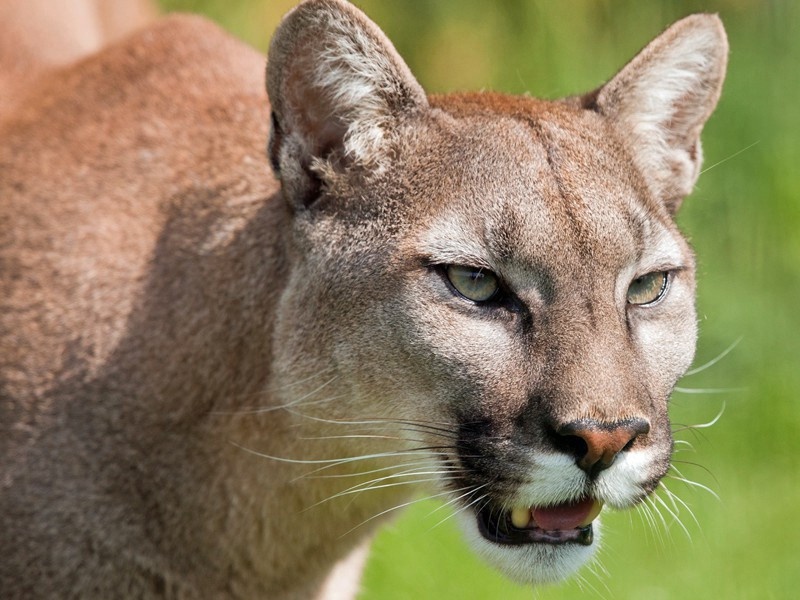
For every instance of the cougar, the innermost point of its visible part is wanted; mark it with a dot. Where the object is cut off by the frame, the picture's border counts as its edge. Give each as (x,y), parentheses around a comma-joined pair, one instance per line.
(238,329)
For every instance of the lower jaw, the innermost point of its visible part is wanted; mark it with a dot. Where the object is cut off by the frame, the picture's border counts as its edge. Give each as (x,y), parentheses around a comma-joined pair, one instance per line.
(496,528)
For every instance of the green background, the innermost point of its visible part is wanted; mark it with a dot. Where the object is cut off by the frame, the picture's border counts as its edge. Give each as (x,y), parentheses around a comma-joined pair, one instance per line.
(743,220)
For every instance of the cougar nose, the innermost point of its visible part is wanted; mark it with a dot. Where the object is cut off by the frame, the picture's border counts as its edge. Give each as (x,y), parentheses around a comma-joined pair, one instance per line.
(596,444)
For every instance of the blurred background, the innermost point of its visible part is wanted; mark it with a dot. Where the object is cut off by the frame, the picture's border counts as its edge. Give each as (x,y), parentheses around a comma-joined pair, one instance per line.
(744,222)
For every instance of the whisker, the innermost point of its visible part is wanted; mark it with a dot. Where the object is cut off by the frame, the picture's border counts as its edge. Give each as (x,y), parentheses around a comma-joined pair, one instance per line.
(469,492)
(298,402)
(410,423)
(698,465)
(399,506)
(579,581)
(425,450)
(604,572)
(656,512)
(379,487)
(640,512)
(310,474)
(683,390)
(381,421)
(646,511)
(463,508)
(442,433)
(669,496)
(653,516)
(672,467)
(407,473)
(734,155)
(340,461)
(675,498)
(448,435)
(710,423)
(695,484)
(684,443)
(677,520)
(456,499)
(362,436)
(274,388)
(654,504)
(713,361)
(593,589)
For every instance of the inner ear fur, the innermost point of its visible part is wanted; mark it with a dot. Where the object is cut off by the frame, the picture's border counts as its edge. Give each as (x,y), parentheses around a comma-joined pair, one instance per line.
(661,99)
(337,88)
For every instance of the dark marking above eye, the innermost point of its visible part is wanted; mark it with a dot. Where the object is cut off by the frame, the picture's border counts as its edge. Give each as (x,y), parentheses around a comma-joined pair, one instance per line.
(589,308)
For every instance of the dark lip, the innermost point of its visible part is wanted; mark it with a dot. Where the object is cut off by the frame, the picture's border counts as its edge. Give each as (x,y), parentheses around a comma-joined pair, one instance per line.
(495,526)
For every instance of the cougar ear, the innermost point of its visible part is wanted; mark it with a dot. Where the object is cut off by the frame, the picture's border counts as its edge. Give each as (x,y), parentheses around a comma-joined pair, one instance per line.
(660,101)
(337,86)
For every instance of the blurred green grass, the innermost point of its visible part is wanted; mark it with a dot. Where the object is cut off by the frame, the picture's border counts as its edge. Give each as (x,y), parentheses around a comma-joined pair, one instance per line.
(744,222)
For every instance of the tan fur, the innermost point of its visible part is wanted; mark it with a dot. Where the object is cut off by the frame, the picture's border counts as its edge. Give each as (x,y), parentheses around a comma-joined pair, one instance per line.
(176,324)
(38,35)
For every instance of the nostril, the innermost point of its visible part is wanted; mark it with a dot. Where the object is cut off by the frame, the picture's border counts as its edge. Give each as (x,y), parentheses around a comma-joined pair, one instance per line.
(572,444)
(629,445)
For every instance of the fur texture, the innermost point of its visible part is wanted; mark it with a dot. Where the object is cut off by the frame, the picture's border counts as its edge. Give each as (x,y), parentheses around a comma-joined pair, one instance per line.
(200,362)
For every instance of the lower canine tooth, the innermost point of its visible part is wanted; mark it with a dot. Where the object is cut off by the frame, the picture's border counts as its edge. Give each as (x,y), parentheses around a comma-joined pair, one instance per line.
(586,536)
(520,517)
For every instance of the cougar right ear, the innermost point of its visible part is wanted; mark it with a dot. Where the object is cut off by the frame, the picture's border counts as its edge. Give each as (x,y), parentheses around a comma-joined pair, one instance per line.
(660,100)
(337,87)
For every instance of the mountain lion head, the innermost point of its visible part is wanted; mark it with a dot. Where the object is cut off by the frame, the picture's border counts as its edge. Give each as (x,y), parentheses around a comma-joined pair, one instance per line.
(499,279)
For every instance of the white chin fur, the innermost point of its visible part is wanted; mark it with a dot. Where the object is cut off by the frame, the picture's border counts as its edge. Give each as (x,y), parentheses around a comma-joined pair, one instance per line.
(529,563)
(620,485)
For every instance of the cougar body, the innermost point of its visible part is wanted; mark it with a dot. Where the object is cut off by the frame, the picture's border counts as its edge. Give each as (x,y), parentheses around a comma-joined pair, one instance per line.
(190,344)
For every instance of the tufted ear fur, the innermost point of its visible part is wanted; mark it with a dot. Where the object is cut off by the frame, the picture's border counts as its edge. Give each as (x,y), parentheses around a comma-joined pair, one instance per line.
(337,86)
(660,101)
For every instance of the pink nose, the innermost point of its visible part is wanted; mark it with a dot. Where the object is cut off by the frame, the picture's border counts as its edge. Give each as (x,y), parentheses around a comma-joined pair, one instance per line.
(596,444)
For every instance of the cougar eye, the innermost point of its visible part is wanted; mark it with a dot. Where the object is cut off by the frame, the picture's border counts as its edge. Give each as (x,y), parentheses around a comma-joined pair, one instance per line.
(648,289)
(476,284)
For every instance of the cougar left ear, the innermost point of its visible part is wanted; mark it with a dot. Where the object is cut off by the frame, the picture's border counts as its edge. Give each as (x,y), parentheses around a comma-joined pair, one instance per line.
(337,88)
(660,101)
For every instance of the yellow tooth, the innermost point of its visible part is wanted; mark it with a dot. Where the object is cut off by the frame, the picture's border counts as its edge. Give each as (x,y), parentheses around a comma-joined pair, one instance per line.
(521,516)
(596,508)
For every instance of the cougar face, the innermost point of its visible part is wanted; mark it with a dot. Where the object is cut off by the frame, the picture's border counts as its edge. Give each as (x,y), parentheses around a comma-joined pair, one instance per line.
(557,385)
(550,394)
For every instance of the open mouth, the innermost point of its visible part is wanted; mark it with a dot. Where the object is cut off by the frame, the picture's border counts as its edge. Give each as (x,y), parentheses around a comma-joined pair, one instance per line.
(570,522)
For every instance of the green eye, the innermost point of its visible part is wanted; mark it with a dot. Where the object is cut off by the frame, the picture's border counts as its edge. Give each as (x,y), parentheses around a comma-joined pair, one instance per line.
(478,285)
(648,288)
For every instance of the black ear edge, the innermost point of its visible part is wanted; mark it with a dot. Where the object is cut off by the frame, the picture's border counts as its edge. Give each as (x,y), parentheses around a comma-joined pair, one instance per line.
(302,186)
(274,143)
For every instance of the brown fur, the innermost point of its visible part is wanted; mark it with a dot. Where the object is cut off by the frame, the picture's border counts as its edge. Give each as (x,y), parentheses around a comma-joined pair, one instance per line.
(39,35)
(162,296)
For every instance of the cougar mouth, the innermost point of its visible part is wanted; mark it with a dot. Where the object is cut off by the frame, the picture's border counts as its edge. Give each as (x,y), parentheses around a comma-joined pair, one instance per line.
(570,522)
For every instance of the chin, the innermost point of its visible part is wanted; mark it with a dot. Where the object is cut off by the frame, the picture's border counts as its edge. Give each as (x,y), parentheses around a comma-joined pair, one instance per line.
(534,562)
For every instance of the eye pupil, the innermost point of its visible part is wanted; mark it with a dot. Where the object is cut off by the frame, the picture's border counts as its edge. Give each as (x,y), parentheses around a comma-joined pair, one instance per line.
(474,283)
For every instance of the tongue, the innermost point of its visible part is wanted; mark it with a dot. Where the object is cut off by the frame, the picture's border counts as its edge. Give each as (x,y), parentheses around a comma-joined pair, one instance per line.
(563,516)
